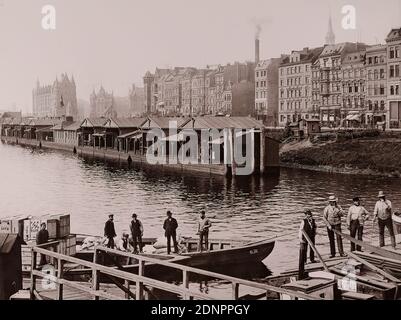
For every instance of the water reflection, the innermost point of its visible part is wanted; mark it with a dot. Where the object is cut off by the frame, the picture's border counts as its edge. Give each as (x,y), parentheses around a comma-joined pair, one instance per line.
(249,208)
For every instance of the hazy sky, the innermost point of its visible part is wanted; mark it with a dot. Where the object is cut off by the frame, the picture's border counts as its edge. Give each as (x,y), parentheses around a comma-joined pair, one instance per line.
(114,42)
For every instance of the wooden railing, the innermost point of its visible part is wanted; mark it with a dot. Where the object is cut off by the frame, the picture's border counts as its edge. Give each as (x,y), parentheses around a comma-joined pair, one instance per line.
(140,280)
(186,271)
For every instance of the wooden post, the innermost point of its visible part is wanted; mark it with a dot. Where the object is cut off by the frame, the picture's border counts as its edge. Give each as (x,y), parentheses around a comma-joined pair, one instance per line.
(235,292)
(33,277)
(185,282)
(262,152)
(139,284)
(315,250)
(127,285)
(95,275)
(60,272)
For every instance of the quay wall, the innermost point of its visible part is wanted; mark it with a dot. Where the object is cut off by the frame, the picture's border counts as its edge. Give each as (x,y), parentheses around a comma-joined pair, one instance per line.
(122,158)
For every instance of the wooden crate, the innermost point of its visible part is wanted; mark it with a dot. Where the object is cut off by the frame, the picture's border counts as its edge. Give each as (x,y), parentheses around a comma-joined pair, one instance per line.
(53,227)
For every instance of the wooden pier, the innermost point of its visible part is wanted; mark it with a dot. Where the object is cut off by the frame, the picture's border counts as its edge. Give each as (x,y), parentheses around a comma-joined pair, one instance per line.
(129,286)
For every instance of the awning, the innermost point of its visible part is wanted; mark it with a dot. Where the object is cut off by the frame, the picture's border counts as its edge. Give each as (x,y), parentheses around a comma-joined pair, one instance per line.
(132,135)
(240,134)
(98,135)
(217,141)
(45,130)
(176,137)
(28,130)
(353,117)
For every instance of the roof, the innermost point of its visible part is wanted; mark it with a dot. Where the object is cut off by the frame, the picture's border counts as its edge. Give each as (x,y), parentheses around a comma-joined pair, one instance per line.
(307,55)
(224,122)
(93,122)
(8,114)
(7,242)
(125,122)
(394,35)
(340,48)
(44,122)
(67,126)
(164,123)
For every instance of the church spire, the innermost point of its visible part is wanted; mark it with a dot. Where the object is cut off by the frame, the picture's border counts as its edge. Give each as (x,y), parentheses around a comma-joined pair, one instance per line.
(330,36)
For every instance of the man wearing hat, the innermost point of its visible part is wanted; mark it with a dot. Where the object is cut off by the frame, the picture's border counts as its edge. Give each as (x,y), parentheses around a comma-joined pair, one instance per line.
(357,215)
(170,227)
(383,214)
(137,233)
(308,225)
(109,231)
(332,216)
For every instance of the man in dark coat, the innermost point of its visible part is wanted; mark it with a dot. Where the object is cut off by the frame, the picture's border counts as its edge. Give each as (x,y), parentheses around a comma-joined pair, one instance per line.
(308,225)
(137,233)
(41,238)
(110,232)
(170,226)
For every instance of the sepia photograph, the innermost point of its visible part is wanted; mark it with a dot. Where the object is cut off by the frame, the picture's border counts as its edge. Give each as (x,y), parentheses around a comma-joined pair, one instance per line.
(185,152)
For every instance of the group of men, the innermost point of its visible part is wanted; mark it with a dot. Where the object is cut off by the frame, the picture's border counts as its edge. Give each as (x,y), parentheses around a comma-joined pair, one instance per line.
(170,227)
(355,220)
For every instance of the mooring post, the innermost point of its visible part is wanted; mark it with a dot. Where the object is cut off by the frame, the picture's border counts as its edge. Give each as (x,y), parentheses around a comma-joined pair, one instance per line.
(60,266)
(95,274)
(33,277)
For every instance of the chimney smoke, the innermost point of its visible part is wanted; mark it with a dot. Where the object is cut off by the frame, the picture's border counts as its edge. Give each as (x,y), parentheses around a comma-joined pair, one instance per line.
(257,51)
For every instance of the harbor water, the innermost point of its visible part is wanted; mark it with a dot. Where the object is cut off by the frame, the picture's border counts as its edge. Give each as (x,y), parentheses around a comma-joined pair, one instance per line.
(249,208)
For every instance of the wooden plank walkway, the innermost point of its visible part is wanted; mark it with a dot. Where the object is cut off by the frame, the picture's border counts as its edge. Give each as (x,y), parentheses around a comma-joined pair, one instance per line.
(70,293)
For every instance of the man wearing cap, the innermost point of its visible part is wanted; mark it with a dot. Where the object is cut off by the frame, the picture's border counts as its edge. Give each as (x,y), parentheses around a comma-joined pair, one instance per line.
(383,214)
(357,215)
(308,225)
(204,225)
(109,231)
(137,233)
(332,216)
(170,227)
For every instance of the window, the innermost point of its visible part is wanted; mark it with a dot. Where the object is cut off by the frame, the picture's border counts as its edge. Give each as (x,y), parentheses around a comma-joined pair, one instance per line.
(392,53)
(397,90)
(382,91)
(391,90)
(397,70)
(392,71)
(257,74)
(381,73)
(370,60)
(397,52)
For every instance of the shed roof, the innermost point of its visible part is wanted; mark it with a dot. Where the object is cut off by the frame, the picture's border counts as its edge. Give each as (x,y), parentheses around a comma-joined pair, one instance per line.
(93,122)
(7,242)
(224,122)
(164,123)
(125,122)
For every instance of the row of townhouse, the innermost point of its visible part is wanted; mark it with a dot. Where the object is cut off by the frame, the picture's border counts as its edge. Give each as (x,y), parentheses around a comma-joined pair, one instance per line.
(345,84)
(221,90)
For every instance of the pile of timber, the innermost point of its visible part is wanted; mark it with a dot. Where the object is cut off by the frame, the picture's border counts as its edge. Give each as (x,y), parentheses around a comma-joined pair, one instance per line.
(384,263)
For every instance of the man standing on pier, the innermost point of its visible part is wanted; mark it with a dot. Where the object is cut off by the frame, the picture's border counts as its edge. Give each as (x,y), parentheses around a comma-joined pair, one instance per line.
(357,215)
(332,217)
(110,232)
(170,226)
(137,233)
(308,225)
(41,238)
(383,213)
(204,225)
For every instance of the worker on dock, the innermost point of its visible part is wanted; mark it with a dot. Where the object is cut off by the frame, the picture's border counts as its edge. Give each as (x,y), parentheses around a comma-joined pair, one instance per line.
(383,214)
(332,215)
(123,244)
(308,225)
(170,226)
(42,237)
(357,215)
(136,228)
(110,232)
(204,225)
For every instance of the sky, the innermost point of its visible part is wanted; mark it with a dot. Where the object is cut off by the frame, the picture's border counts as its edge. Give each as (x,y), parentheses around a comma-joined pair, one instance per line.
(114,42)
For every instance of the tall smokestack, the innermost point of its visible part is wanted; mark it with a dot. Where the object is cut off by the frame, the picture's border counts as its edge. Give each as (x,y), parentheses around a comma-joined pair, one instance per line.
(257,48)
(257,43)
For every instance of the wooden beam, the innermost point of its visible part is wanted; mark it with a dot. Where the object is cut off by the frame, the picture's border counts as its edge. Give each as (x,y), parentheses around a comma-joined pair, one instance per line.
(316,251)
(374,268)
